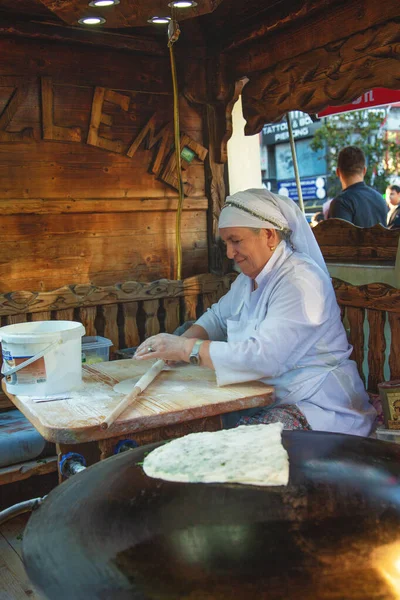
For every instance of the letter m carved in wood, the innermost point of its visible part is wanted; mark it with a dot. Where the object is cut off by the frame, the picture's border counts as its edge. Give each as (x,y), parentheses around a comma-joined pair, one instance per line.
(164,136)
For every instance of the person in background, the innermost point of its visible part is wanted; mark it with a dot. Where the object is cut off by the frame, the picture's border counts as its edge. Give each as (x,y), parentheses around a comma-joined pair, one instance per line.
(394,198)
(317,218)
(325,207)
(279,323)
(357,203)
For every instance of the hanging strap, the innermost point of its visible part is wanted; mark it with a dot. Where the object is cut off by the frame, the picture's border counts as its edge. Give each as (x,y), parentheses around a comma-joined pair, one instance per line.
(30,360)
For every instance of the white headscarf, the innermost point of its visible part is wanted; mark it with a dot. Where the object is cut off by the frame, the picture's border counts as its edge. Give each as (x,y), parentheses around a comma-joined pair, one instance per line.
(260,209)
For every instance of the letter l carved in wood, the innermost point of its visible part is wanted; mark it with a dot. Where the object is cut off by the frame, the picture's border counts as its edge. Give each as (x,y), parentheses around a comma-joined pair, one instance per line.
(50,130)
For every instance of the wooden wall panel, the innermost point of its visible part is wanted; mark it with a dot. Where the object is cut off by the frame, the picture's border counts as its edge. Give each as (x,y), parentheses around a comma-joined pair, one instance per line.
(89,66)
(72,212)
(100,260)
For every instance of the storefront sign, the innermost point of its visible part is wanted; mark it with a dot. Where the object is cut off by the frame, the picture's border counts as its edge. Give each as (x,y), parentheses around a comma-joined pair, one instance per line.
(302,126)
(375,97)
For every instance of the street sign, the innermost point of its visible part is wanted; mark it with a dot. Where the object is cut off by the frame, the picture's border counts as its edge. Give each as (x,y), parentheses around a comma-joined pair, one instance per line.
(375,97)
(311,187)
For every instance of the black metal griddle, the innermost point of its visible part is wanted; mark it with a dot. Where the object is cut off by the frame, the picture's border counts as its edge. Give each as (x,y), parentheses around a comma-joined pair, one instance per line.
(332,533)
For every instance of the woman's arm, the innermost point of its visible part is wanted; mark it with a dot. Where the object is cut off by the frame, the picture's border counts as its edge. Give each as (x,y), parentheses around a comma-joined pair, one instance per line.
(172,348)
(196,331)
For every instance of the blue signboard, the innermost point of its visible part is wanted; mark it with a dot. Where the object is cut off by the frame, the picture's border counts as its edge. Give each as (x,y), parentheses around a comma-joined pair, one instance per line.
(311,187)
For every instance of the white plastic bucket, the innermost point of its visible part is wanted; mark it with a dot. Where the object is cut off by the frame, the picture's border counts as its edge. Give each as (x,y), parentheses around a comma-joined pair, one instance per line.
(42,358)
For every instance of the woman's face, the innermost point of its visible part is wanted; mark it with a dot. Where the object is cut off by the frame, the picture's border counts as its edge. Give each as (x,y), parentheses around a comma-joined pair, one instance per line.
(250,251)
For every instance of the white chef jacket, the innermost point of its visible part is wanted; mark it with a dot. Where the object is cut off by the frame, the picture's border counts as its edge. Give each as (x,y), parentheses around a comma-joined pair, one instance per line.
(288,333)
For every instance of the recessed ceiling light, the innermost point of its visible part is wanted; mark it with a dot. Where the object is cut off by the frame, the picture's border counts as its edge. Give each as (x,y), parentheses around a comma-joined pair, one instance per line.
(182,3)
(159,20)
(100,3)
(91,21)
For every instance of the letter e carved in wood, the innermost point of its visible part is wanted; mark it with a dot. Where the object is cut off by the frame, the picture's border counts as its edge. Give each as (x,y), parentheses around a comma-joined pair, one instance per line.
(94,139)
(50,130)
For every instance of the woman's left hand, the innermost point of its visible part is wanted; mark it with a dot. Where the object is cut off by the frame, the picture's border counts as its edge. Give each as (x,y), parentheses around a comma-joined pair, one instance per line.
(166,346)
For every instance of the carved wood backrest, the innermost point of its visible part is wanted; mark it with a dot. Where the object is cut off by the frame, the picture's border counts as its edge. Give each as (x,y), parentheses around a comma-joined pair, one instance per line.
(125,313)
(371,313)
(343,242)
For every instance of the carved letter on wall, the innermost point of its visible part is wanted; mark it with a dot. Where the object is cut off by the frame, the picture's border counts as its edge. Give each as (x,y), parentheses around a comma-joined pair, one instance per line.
(94,139)
(17,98)
(165,135)
(50,130)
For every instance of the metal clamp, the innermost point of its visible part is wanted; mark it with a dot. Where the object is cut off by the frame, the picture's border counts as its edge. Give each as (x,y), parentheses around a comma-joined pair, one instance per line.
(124,445)
(72,463)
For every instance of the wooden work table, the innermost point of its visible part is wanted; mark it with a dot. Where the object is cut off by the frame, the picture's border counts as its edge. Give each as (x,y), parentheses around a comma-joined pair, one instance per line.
(182,399)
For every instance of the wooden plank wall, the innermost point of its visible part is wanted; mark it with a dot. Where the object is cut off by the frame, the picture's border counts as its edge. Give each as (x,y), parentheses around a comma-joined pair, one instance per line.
(78,203)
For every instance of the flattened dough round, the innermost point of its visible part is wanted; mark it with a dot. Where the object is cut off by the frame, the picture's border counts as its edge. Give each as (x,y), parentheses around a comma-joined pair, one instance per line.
(250,454)
(126,386)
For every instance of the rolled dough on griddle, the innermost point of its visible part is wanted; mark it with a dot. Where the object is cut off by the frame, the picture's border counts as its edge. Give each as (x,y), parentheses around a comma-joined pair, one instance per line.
(250,454)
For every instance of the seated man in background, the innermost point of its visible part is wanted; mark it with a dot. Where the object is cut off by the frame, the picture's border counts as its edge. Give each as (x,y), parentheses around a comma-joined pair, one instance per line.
(357,203)
(394,197)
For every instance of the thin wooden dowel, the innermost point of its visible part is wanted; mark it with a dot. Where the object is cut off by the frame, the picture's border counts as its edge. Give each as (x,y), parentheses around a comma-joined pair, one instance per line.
(139,387)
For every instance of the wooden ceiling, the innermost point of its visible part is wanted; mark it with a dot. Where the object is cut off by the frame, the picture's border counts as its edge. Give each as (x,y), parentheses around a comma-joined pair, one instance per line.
(296,54)
(128,13)
(220,20)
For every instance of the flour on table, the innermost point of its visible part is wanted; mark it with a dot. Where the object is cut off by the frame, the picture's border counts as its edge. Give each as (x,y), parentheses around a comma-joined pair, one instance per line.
(250,454)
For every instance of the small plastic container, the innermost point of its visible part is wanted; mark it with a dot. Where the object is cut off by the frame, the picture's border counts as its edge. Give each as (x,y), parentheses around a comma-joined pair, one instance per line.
(388,435)
(95,349)
(126,352)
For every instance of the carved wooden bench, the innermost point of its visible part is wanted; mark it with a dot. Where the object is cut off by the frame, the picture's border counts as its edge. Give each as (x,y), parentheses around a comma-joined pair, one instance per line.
(341,241)
(126,313)
(360,255)
(371,314)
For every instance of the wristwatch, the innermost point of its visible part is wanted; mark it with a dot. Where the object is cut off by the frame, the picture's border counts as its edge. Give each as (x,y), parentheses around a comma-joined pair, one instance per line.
(194,357)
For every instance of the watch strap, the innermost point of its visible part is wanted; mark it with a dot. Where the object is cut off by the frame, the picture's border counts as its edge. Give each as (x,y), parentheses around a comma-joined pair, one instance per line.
(194,355)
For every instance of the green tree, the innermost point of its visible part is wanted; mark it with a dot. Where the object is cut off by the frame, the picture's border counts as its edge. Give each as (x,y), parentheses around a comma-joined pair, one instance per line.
(363,128)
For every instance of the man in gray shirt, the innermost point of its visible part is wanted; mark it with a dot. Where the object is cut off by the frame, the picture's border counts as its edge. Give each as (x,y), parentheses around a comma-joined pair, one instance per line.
(357,203)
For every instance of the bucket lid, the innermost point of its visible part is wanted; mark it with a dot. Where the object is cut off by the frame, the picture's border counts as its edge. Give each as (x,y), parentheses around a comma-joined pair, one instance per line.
(35,332)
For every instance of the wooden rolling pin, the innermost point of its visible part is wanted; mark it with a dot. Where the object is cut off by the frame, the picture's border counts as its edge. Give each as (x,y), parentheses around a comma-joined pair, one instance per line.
(139,387)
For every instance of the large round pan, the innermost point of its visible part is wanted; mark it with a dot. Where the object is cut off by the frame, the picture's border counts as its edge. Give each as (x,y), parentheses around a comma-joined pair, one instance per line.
(332,533)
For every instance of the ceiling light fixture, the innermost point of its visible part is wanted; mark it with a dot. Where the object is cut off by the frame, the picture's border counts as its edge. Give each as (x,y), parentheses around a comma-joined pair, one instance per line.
(159,20)
(182,4)
(91,21)
(102,3)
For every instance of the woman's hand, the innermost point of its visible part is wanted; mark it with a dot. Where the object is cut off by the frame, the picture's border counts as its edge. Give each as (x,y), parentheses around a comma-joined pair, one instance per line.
(166,346)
